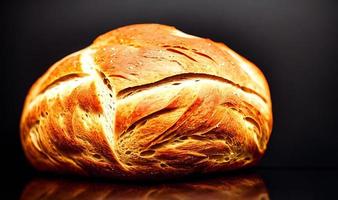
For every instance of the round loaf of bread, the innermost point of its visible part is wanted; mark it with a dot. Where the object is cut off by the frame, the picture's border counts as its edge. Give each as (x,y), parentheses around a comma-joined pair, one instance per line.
(147,101)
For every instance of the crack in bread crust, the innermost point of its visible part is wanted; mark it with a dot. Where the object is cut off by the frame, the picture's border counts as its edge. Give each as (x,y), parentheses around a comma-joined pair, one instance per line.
(62,79)
(184,76)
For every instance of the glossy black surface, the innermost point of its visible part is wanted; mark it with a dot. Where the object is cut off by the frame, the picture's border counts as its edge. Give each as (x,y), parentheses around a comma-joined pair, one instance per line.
(244,184)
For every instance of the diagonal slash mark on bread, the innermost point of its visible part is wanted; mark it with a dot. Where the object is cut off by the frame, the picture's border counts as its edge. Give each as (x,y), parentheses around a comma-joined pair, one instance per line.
(182,77)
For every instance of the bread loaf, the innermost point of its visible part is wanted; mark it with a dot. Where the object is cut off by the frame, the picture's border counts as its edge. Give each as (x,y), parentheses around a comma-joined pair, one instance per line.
(147,101)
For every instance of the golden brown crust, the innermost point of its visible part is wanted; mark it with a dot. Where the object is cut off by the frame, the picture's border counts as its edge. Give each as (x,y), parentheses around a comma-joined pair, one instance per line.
(148,100)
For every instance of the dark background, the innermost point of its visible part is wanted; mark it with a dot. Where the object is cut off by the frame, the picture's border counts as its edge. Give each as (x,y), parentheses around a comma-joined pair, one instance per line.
(294,42)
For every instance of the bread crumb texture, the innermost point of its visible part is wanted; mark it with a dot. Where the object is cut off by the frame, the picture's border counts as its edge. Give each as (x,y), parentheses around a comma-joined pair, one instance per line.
(147,101)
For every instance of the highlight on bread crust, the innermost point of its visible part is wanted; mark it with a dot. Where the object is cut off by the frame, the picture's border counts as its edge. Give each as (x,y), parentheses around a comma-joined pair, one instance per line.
(239,187)
(144,101)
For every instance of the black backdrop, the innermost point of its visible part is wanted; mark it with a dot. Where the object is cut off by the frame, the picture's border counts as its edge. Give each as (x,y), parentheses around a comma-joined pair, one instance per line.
(293,42)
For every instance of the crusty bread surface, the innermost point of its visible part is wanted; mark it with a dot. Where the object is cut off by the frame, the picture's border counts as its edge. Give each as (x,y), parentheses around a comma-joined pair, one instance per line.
(147,101)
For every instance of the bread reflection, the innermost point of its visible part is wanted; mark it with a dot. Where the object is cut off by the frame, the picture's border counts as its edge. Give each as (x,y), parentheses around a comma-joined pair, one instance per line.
(239,187)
